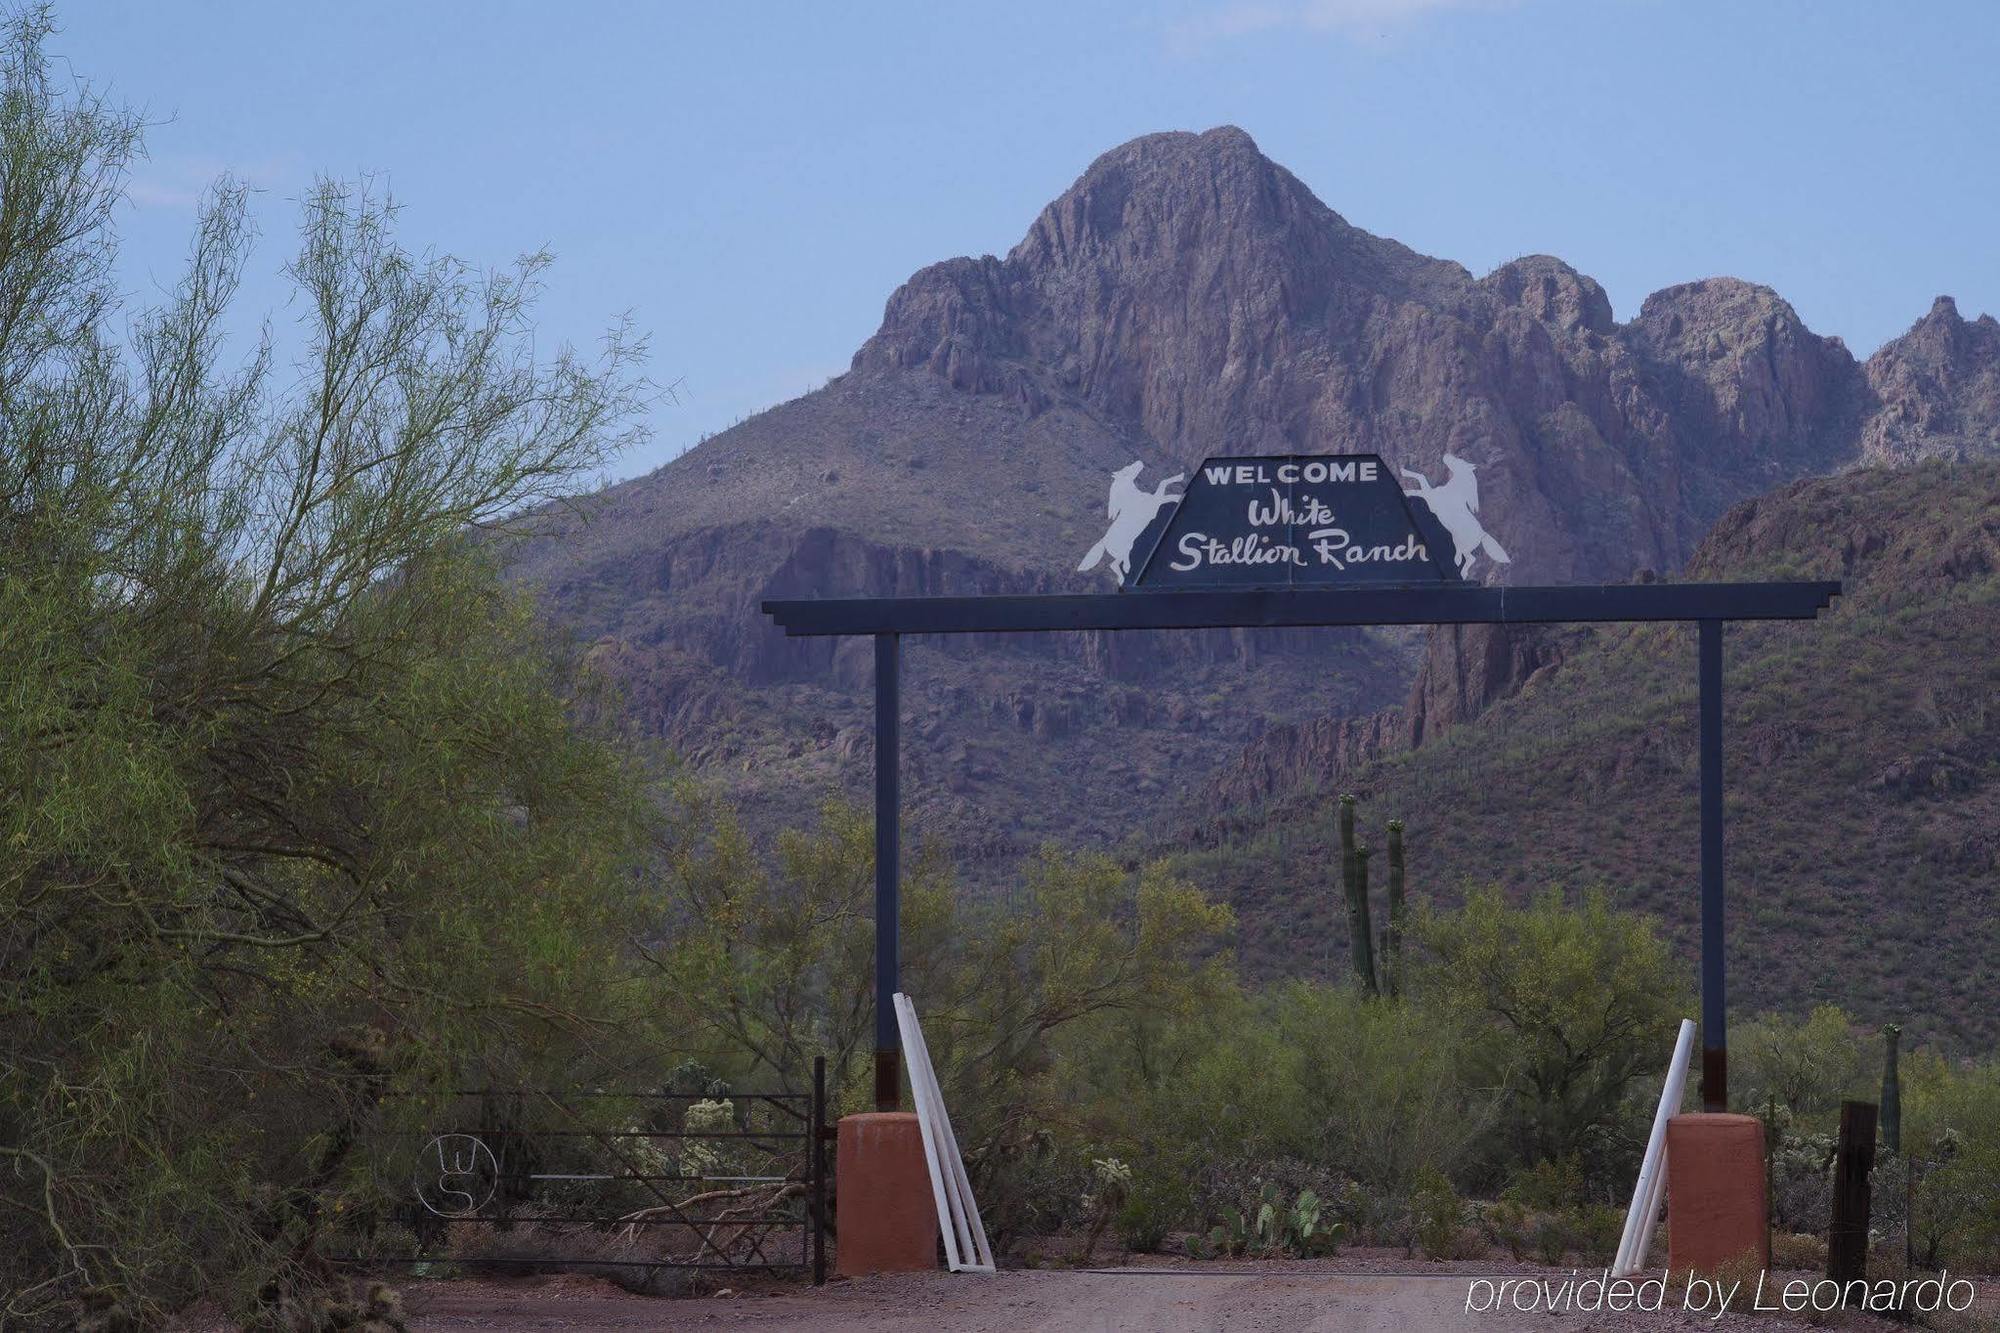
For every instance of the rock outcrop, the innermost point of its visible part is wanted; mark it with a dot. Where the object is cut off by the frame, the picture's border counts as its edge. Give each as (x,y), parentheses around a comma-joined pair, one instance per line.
(1936,390)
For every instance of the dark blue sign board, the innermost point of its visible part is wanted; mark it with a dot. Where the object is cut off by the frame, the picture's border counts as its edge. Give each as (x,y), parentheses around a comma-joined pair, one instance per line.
(1292,521)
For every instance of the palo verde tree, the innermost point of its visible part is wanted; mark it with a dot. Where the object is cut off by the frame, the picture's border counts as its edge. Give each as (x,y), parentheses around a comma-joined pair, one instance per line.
(1576,1000)
(293,808)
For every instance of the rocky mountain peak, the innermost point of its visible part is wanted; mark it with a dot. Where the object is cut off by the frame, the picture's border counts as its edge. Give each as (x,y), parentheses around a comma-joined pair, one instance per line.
(1175,264)
(1553,293)
(1168,192)
(1938,387)
(1745,369)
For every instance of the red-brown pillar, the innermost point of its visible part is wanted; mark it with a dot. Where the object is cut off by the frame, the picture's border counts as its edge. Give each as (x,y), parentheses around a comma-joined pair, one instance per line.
(1715,1192)
(888,1218)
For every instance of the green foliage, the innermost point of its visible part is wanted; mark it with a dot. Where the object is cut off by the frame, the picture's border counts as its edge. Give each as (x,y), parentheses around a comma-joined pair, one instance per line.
(295,811)
(1596,1229)
(1892,1090)
(1951,1137)
(1273,1226)
(1551,1238)
(1143,1224)
(1573,1002)
(1550,1184)
(1392,940)
(1436,1214)
(1809,1066)
(1507,1222)
(1041,1013)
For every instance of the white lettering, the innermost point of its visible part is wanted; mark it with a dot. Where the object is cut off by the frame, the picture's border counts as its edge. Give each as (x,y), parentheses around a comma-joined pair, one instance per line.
(1198,548)
(1190,553)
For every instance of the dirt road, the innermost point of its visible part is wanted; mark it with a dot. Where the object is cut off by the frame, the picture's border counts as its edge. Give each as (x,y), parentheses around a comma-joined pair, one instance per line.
(1241,1299)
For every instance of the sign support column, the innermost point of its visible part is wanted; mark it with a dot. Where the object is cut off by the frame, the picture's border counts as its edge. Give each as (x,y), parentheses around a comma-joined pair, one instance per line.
(888,868)
(1714,1034)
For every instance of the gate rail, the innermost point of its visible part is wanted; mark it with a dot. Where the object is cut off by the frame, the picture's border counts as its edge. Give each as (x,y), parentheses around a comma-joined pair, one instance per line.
(482,1180)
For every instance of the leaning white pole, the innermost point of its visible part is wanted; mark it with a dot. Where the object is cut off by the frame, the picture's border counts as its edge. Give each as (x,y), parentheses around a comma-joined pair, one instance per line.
(906,1018)
(959,1224)
(1649,1192)
(972,1240)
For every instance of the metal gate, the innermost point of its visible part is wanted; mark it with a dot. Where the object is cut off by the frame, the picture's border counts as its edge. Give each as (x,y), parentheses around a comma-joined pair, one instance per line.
(590,1179)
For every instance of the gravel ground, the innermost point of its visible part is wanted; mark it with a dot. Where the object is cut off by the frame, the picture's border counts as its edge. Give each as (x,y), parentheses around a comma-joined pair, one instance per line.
(1356,1293)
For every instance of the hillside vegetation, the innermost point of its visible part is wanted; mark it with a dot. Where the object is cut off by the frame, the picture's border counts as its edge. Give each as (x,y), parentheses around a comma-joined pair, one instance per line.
(1862,763)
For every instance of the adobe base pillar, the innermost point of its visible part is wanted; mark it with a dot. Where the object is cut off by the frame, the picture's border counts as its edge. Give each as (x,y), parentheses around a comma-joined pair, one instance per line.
(887,1216)
(1715,1192)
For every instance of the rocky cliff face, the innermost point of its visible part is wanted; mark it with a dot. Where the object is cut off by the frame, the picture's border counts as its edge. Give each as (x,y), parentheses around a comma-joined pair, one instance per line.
(1189,297)
(1196,292)
(1936,390)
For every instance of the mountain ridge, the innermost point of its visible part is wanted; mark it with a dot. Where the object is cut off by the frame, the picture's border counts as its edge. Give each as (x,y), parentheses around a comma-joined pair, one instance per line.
(1187,296)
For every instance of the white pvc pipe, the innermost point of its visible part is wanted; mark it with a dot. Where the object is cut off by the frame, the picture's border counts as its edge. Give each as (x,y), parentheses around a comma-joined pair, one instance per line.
(906,1018)
(967,1249)
(1650,1190)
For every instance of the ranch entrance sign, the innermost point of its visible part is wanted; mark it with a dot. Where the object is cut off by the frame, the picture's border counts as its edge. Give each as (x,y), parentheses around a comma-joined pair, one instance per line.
(1298,540)
(1293,522)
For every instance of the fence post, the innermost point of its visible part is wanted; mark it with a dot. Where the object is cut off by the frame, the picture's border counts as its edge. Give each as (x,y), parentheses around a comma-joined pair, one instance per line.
(817,1165)
(1847,1238)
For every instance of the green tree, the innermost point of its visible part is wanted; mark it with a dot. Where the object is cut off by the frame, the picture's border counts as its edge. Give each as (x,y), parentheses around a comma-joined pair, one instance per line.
(1806,1065)
(763,963)
(293,809)
(1581,999)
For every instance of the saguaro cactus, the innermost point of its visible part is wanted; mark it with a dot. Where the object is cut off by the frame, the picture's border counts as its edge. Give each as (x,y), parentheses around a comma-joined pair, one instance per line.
(1354,879)
(1365,931)
(1892,1091)
(1392,951)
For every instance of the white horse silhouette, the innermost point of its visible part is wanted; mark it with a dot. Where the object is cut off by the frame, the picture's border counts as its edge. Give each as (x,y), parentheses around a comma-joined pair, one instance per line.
(1130,511)
(1456,504)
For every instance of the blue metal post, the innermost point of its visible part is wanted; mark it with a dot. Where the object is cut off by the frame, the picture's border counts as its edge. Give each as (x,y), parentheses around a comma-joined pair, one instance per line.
(888,857)
(1714,1034)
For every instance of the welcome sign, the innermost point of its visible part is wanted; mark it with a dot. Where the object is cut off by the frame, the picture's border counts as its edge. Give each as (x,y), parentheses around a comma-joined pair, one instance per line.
(1278,521)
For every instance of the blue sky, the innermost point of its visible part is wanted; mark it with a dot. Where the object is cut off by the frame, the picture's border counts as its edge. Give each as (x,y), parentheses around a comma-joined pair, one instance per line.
(752,181)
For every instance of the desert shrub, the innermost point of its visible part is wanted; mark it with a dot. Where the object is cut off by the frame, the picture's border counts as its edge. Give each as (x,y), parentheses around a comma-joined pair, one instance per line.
(1548,1185)
(1951,1130)
(1551,1235)
(1104,1199)
(1380,1092)
(1143,1224)
(1794,1249)
(1506,1224)
(1801,1174)
(1595,1230)
(1436,1215)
